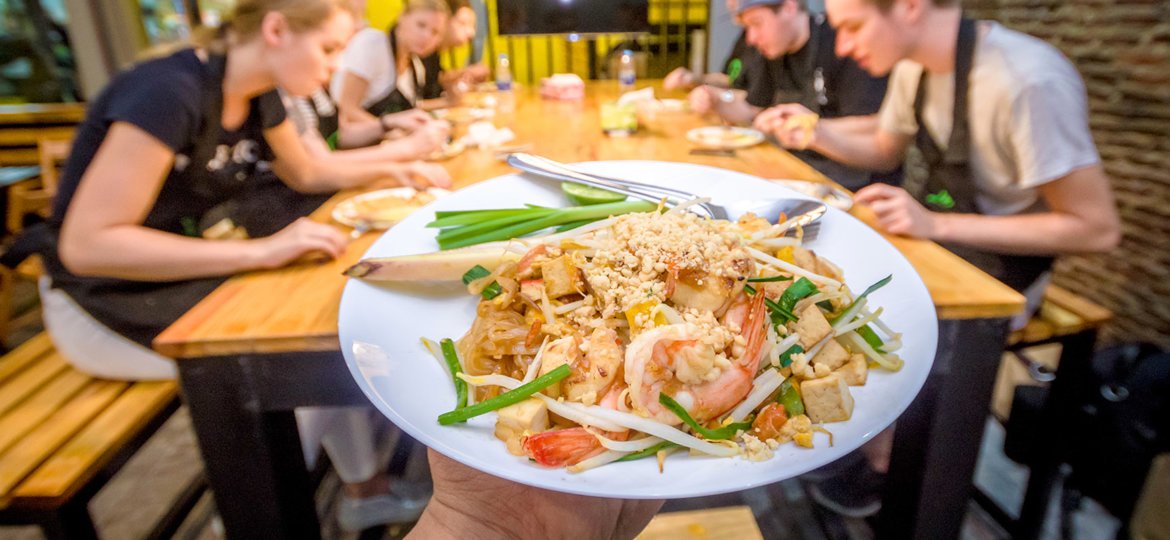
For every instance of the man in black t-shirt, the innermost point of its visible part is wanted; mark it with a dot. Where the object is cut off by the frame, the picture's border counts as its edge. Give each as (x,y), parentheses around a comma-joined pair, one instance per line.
(796,64)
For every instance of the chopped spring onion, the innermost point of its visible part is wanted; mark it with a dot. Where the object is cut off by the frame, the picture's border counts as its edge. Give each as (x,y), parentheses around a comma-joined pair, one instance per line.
(510,397)
(466,228)
(790,398)
(779,314)
(769,279)
(477,272)
(632,421)
(452,359)
(725,432)
(648,452)
(786,356)
(800,289)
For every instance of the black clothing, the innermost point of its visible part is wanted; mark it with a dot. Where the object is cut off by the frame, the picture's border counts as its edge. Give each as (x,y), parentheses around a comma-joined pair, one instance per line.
(826,84)
(178,100)
(950,185)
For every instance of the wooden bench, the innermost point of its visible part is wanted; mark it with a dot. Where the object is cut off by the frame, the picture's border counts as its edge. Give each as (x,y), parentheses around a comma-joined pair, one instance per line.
(63,434)
(1072,322)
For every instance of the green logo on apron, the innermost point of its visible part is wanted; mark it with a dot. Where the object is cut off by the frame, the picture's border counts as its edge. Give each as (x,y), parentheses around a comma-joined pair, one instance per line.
(942,199)
(190,226)
(733,70)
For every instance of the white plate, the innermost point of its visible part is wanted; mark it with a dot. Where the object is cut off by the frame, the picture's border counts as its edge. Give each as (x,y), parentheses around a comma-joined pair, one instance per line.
(832,196)
(380,327)
(725,137)
(463,115)
(396,201)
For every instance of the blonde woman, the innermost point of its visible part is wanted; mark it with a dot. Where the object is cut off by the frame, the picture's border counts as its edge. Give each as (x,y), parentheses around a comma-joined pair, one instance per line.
(382,73)
(165,142)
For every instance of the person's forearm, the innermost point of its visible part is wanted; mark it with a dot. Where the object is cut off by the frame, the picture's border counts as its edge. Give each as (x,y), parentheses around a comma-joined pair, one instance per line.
(718,80)
(1047,233)
(142,254)
(332,174)
(845,141)
(360,130)
(737,112)
(855,125)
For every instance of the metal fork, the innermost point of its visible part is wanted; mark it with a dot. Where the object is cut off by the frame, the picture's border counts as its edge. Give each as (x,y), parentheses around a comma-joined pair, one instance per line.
(798,212)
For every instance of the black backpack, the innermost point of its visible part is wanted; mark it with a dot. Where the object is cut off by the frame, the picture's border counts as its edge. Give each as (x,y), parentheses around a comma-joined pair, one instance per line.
(1122,422)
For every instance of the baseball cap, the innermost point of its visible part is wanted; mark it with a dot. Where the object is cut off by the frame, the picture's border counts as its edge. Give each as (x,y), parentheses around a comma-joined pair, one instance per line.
(745,5)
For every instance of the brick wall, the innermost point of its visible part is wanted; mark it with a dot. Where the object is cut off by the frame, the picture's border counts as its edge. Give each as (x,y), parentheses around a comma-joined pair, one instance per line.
(1122,49)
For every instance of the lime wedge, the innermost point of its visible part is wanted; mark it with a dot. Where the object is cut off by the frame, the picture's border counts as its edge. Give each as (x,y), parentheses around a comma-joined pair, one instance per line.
(583,195)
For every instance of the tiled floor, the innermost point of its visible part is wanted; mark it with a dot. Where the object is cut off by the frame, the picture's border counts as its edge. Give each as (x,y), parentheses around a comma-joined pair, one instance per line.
(147,486)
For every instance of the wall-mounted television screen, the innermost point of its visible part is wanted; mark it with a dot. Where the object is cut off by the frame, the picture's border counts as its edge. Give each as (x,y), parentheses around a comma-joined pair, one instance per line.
(521,17)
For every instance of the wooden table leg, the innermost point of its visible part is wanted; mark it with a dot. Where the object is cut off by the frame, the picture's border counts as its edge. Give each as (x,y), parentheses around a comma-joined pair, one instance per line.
(937,439)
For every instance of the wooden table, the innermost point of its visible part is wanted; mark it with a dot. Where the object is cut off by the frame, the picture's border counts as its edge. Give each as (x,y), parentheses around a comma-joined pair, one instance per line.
(266,342)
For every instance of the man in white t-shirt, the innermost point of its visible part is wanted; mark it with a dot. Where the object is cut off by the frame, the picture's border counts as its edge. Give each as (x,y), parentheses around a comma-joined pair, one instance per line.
(1020,181)
(1001,119)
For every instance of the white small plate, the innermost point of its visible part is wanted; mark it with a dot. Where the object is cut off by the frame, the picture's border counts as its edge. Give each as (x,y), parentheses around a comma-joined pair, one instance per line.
(725,137)
(463,115)
(380,325)
(832,196)
(385,207)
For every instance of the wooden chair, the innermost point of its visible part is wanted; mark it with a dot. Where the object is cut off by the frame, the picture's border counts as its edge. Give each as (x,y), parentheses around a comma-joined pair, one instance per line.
(731,523)
(63,434)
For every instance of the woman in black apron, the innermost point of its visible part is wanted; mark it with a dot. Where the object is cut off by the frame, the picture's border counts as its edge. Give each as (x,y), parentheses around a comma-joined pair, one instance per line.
(372,94)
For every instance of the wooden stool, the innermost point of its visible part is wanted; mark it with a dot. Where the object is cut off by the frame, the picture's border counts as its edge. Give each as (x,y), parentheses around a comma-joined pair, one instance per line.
(731,523)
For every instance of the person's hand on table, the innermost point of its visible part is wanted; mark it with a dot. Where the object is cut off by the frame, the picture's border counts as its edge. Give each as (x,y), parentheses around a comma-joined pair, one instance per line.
(407,121)
(679,78)
(897,212)
(471,504)
(303,238)
(422,175)
(793,125)
(428,138)
(702,99)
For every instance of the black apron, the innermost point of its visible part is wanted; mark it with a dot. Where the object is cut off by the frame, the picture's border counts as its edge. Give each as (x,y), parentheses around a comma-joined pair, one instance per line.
(141,310)
(396,101)
(950,184)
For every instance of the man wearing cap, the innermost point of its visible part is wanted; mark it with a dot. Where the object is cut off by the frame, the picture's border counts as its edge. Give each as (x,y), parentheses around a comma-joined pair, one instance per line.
(797,65)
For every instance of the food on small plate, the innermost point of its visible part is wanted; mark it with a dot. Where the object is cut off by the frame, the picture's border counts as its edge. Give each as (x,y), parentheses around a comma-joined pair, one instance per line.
(448,150)
(725,137)
(463,115)
(383,208)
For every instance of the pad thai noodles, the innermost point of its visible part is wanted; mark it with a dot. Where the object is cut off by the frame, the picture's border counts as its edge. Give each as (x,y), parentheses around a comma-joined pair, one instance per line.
(654,332)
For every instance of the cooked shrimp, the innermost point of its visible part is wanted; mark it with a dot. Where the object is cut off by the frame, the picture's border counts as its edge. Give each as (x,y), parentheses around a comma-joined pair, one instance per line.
(565,447)
(674,359)
(594,373)
(706,291)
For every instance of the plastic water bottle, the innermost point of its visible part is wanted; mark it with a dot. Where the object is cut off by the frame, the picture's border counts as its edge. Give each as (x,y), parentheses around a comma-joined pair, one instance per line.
(503,74)
(626,73)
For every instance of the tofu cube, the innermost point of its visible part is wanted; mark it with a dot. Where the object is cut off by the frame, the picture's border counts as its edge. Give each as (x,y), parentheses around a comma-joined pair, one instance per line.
(812,326)
(515,421)
(855,371)
(560,277)
(827,399)
(832,355)
(804,258)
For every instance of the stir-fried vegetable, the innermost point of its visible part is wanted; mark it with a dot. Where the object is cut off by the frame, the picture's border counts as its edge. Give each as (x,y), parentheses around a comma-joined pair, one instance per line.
(790,398)
(510,397)
(452,359)
(470,227)
(851,310)
(786,356)
(725,432)
(769,279)
(477,272)
(802,288)
(647,452)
